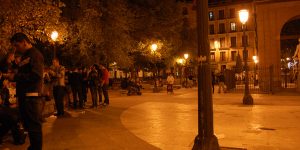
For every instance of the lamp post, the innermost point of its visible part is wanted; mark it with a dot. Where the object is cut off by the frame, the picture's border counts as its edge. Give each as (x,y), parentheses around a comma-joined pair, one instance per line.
(180,63)
(186,56)
(153,48)
(205,140)
(244,15)
(255,59)
(54,36)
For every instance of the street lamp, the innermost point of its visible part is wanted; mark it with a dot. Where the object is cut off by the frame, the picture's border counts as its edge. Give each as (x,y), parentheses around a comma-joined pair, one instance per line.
(186,56)
(180,63)
(153,48)
(54,36)
(244,16)
(205,140)
(255,59)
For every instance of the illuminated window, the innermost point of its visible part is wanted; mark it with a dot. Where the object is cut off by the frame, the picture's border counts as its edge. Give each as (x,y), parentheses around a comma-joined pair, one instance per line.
(211,15)
(232,26)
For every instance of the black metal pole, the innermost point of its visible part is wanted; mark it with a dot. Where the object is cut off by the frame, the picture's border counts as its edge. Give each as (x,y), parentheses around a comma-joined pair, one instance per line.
(186,74)
(247,100)
(205,140)
(54,50)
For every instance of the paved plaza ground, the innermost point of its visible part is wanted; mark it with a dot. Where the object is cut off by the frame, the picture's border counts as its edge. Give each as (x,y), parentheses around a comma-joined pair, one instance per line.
(159,121)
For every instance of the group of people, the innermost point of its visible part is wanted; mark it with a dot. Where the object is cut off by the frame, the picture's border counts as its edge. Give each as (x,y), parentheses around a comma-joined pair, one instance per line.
(23,70)
(73,84)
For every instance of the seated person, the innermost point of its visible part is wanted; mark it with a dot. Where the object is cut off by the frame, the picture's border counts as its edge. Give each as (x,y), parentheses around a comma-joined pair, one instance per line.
(9,117)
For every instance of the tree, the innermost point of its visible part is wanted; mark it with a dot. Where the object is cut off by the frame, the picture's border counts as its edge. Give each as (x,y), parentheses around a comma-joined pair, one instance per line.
(85,35)
(35,18)
(239,64)
(117,25)
(159,22)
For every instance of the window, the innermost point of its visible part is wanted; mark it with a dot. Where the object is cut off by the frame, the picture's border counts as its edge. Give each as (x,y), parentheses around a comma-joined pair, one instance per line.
(232,26)
(212,56)
(233,55)
(222,56)
(221,28)
(211,15)
(221,14)
(245,41)
(211,29)
(233,41)
(232,13)
(222,42)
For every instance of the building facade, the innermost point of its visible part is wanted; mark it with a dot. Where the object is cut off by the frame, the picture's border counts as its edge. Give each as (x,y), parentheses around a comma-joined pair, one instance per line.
(225,31)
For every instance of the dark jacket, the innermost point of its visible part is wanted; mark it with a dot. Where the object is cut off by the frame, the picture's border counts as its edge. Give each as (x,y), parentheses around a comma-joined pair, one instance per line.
(94,79)
(75,79)
(29,78)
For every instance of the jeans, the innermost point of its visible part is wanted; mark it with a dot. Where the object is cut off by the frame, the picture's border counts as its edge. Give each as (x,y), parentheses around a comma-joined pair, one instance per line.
(104,89)
(94,95)
(31,114)
(58,94)
(77,96)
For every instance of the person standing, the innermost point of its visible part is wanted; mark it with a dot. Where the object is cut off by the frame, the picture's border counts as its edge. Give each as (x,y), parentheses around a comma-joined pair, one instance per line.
(222,83)
(94,81)
(76,86)
(104,85)
(84,84)
(170,81)
(29,81)
(57,73)
(213,81)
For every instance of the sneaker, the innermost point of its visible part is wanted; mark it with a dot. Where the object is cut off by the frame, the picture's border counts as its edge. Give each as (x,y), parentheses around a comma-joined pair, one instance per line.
(105,104)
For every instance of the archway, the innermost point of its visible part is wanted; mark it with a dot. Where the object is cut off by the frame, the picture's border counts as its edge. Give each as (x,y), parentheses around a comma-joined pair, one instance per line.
(289,36)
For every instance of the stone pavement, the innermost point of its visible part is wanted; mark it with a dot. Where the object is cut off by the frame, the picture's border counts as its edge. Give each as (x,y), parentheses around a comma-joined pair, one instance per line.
(169,122)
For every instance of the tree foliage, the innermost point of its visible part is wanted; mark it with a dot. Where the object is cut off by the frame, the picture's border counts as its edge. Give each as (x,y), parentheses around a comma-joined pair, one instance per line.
(104,31)
(35,18)
(159,22)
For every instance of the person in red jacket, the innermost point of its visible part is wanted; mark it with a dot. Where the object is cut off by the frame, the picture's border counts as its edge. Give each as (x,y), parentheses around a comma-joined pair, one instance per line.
(104,85)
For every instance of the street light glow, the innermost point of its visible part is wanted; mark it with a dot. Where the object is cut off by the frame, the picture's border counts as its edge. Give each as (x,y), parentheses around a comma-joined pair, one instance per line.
(154,47)
(244,15)
(54,35)
(255,59)
(217,44)
(180,61)
(186,56)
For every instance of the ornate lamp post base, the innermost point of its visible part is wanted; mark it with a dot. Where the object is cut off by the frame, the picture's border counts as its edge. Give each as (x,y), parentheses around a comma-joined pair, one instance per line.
(248,99)
(208,144)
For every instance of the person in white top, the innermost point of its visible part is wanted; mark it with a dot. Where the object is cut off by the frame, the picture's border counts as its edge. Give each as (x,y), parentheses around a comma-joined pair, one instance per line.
(170,81)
